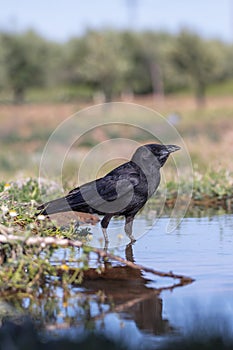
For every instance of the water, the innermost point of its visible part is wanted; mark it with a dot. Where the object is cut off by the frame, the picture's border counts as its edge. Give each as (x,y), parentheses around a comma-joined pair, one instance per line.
(201,248)
(137,310)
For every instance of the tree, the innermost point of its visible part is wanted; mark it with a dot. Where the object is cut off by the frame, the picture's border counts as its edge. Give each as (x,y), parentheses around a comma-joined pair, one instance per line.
(193,58)
(3,79)
(98,59)
(152,54)
(151,69)
(137,77)
(24,61)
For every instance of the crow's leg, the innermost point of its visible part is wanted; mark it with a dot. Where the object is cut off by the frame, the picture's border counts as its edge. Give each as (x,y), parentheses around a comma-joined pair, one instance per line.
(129,252)
(129,228)
(104,224)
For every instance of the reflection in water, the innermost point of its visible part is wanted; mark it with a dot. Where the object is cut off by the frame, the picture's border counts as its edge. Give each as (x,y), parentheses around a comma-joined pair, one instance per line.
(132,298)
(201,248)
(147,314)
(122,291)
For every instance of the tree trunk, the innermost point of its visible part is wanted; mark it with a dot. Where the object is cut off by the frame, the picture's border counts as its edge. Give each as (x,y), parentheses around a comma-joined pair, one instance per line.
(156,80)
(108,90)
(19,95)
(200,94)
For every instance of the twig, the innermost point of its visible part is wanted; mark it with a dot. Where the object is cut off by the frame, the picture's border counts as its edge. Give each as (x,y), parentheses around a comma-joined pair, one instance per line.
(5,230)
(43,241)
(183,279)
(64,242)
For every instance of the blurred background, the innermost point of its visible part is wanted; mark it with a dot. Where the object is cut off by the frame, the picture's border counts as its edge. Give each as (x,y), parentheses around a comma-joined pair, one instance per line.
(58,57)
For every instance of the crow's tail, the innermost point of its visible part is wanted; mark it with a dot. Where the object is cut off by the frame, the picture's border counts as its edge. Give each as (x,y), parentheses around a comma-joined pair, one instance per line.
(56,206)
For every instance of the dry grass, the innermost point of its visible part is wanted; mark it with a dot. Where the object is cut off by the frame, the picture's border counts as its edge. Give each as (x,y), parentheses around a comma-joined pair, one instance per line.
(208,133)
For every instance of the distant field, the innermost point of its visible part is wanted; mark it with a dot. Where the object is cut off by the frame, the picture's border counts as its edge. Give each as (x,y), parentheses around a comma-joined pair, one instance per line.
(208,132)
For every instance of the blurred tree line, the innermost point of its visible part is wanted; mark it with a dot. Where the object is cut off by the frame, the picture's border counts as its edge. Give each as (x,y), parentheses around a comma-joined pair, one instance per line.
(111,63)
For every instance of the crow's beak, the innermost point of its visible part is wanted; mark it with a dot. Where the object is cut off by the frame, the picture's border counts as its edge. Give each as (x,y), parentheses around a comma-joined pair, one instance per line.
(172,148)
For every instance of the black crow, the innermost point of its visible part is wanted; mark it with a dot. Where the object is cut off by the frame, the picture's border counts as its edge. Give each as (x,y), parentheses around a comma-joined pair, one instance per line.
(123,191)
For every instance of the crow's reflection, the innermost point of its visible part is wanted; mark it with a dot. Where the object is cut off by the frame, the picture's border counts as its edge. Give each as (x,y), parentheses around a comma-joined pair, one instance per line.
(126,289)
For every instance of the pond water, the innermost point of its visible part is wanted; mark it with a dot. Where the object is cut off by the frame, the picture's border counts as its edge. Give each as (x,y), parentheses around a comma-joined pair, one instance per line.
(140,311)
(201,247)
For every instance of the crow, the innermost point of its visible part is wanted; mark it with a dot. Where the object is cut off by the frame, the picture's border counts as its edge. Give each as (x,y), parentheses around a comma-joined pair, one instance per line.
(122,192)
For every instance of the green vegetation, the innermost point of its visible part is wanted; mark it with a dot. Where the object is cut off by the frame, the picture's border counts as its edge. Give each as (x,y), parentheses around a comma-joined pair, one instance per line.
(209,189)
(103,65)
(22,57)
(192,59)
(26,268)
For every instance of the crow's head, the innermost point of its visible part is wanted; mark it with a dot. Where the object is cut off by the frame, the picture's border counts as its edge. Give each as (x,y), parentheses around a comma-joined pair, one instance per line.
(154,153)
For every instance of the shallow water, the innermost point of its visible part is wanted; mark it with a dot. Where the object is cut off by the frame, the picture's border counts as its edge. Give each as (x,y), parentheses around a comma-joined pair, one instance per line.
(201,248)
(137,311)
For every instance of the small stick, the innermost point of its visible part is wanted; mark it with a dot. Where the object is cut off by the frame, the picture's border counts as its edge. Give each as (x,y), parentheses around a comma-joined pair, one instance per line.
(64,242)
(183,279)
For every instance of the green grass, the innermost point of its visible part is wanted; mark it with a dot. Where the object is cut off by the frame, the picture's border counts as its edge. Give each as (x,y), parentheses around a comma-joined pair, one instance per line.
(209,189)
(55,94)
(221,89)
(72,93)
(23,268)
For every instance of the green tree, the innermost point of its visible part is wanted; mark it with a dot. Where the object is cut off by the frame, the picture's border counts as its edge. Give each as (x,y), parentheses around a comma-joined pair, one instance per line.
(25,61)
(193,58)
(154,49)
(137,78)
(151,69)
(98,59)
(222,53)
(3,77)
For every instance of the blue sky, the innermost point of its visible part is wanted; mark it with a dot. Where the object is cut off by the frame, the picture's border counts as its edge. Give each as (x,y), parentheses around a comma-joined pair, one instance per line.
(61,19)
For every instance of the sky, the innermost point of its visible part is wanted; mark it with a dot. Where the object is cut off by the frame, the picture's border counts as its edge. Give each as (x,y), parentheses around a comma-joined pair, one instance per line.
(61,19)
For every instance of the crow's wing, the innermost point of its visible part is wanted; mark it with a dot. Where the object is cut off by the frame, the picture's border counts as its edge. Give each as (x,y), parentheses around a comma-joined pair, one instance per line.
(111,193)
(107,194)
